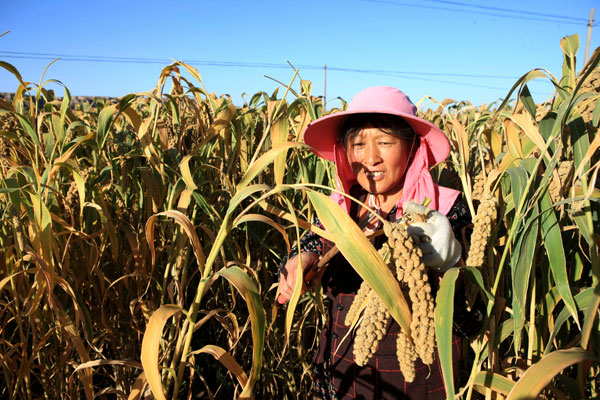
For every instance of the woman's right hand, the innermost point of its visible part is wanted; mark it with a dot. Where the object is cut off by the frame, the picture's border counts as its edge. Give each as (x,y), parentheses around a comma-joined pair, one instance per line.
(287,278)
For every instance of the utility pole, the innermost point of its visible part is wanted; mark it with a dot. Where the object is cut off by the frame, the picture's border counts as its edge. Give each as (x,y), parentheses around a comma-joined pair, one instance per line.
(325,86)
(589,36)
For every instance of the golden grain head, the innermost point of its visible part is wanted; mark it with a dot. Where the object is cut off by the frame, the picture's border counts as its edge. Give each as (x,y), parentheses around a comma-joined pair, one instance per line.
(361,296)
(412,274)
(407,355)
(482,229)
(370,331)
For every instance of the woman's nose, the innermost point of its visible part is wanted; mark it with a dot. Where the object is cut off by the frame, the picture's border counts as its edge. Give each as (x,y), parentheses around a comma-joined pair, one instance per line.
(372,155)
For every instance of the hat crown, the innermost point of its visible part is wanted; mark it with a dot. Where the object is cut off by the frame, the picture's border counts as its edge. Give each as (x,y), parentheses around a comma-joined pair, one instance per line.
(382,99)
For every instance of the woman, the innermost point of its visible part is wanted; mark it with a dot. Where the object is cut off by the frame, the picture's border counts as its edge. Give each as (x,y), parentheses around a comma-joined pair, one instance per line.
(382,153)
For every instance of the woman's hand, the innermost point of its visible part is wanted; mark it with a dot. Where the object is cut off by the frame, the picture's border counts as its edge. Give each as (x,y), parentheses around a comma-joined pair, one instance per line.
(440,248)
(287,278)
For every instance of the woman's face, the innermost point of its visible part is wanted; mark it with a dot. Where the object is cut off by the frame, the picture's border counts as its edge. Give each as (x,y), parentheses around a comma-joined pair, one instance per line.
(378,160)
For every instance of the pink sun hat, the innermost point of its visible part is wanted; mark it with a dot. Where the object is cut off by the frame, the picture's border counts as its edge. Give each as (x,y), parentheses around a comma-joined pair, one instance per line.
(322,134)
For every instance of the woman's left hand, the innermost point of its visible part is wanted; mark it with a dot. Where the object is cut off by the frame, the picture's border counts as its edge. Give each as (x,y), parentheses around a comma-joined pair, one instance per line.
(440,248)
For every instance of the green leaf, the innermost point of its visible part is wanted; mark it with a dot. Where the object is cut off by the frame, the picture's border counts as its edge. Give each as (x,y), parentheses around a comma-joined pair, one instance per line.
(590,317)
(552,239)
(10,68)
(505,331)
(28,129)
(242,193)
(306,87)
(226,359)
(493,381)
(188,228)
(186,175)
(293,301)
(527,101)
(105,120)
(126,101)
(581,219)
(444,313)
(242,282)
(522,264)
(150,347)
(533,74)
(279,132)
(64,108)
(80,183)
(546,128)
(570,45)
(204,205)
(539,375)
(583,300)
(580,140)
(524,249)
(43,222)
(518,182)
(261,163)
(359,252)
(474,274)
(547,305)
(12,186)
(596,113)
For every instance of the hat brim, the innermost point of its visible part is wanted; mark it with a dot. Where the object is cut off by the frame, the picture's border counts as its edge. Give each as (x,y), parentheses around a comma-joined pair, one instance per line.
(322,133)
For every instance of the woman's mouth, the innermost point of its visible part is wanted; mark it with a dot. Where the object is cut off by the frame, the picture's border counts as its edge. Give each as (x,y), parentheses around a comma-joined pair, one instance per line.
(374,174)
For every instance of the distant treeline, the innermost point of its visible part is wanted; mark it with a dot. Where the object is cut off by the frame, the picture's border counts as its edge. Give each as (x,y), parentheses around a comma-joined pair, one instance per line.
(75,100)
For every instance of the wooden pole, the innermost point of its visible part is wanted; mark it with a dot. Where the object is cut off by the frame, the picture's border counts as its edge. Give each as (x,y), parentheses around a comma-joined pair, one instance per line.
(324,87)
(589,36)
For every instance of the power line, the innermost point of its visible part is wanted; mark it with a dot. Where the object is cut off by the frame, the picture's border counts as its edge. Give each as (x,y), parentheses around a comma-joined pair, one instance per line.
(379,71)
(213,63)
(397,75)
(583,20)
(422,76)
(522,17)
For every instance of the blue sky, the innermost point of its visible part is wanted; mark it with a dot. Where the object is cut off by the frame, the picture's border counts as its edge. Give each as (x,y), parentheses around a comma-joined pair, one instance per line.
(462,49)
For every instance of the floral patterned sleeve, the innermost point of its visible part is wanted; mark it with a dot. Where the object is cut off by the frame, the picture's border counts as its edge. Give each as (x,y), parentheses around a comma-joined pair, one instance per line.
(460,221)
(310,242)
